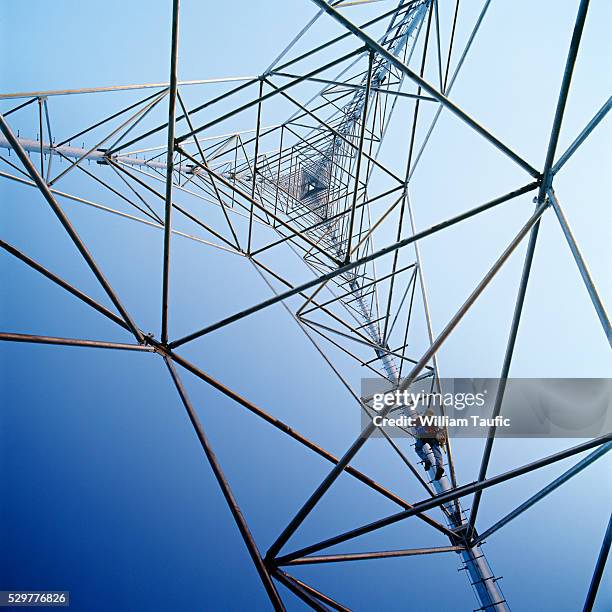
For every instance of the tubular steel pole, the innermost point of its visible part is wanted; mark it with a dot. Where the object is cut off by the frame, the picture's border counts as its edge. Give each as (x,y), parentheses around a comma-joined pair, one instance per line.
(320,596)
(593,123)
(254,181)
(544,185)
(516,319)
(11,337)
(534,499)
(44,188)
(170,168)
(445,498)
(299,591)
(62,283)
(599,568)
(384,554)
(226,490)
(85,90)
(563,94)
(584,271)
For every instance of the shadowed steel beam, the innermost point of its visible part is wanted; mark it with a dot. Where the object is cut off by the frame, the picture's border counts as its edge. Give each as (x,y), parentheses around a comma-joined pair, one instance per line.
(503,379)
(445,498)
(40,127)
(534,499)
(169,168)
(19,107)
(308,589)
(302,439)
(430,89)
(369,429)
(25,160)
(299,591)
(544,185)
(62,283)
(11,337)
(225,488)
(355,264)
(385,554)
(592,124)
(599,568)
(584,271)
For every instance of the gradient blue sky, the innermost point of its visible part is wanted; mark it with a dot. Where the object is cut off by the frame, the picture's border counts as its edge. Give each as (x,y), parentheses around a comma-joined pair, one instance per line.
(104,490)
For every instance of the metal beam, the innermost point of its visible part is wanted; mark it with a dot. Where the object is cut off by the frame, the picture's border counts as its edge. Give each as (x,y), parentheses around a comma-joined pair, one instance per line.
(169,168)
(300,592)
(12,337)
(364,120)
(544,185)
(542,493)
(63,284)
(84,90)
(563,94)
(225,489)
(499,397)
(445,498)
(309,590)
(599,568)
(584,271)
(385,554)
(591,125)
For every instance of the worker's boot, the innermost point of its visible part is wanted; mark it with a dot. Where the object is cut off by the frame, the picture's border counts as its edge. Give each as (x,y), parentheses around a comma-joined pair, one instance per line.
(439,473)
(427,465)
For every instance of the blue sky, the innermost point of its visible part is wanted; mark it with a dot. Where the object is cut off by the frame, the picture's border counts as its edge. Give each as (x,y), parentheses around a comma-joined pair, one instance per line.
(105,491)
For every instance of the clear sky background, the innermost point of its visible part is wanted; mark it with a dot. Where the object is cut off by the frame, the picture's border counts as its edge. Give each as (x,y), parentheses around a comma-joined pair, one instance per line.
(103,487)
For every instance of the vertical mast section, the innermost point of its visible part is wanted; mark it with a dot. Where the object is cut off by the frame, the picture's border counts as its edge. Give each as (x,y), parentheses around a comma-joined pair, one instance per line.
(316,177)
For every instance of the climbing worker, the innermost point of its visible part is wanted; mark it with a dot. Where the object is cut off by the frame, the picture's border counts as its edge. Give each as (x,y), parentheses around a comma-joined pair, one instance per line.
(427,434)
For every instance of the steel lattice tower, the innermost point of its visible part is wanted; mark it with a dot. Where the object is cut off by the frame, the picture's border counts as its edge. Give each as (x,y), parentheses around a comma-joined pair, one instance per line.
(312,183)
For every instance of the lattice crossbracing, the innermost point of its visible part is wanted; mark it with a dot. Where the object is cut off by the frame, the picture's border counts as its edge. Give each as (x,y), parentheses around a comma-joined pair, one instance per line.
(313,182)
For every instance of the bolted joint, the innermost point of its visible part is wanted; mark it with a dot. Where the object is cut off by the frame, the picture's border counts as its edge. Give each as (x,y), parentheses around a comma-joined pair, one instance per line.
(158,347)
